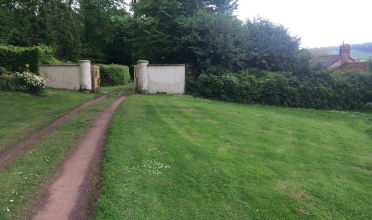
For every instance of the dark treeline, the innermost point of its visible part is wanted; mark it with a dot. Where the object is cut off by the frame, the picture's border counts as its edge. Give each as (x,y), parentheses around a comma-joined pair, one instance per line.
(76,29)
(367,47)
(201,33)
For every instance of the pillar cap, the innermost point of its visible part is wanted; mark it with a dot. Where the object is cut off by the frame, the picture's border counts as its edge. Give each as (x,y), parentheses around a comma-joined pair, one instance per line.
(84,61)
(142,61)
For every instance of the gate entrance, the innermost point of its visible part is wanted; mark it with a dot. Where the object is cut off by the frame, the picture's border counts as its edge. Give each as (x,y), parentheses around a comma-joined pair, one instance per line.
(96,80)
(135,78)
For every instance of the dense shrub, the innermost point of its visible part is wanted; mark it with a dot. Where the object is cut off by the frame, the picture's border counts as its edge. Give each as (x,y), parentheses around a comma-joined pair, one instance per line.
(5,81)
(14,58)
(22,81)
(4,78)
(369,64)
(114,75)
(340,91)
(27,81)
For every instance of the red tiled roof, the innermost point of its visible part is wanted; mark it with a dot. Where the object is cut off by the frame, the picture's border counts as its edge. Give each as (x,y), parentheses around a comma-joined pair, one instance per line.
(362,66)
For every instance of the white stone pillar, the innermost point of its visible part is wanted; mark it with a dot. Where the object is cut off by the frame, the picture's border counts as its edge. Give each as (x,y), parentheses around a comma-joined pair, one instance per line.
(143,78)
(85,75)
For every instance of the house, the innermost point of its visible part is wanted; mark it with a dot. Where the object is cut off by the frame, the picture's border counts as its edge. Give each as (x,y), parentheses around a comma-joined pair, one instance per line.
(334,61)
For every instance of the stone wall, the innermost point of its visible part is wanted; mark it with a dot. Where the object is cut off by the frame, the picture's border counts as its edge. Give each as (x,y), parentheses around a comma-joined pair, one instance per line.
(160,78)
(71,77)
(166,78)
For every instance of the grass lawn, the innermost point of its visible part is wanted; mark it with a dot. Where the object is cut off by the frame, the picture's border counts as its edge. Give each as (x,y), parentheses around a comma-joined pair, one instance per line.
(22,113)
(22,184)
(361,55)
(176,157)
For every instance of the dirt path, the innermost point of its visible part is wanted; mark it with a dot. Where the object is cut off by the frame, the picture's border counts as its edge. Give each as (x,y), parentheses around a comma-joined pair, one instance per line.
(12,153)
(68,196)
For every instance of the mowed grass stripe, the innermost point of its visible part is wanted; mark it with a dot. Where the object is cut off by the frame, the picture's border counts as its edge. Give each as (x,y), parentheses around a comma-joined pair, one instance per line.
(22,184)
(23,114)
(176,157)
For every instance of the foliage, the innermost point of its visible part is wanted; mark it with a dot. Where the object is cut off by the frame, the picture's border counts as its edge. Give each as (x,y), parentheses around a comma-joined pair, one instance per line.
(104,31)
(367,47)
(211,43)
(159,31)
(273,48)
(3,71)
(114,75)
(65,31)
(5,81)
(15,58)
(5,78)
(159,28)
(27,81)
(350,90)
(218,43)
(369,64)
(156,29)
(321,51)
(48,22)
(118,49)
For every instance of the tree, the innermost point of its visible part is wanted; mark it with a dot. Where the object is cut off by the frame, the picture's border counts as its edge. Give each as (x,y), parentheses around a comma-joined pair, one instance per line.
(67,34)
(367,47)
(8,32)
(222,6)
(118,48)
(158,27)
(98,28)
(43,33)
(218,43)
(156,31)
(274,49)
(369,64)
(321,51)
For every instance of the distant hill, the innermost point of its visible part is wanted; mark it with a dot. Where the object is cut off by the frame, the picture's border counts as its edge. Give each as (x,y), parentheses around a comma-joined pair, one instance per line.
(366,47)
(360,52)
(356,54)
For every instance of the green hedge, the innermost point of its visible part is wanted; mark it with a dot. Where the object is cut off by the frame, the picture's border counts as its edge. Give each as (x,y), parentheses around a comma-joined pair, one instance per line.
(369,64)
(114,75)
(350,90)
(14,59)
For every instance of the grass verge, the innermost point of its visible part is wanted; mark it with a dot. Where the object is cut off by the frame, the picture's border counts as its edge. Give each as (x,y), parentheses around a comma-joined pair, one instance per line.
(23,114)
(176,157)
(23,184)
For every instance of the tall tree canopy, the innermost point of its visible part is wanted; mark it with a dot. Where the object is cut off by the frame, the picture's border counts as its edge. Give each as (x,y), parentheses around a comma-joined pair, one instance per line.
(202,33)
(77,29)
(207,36)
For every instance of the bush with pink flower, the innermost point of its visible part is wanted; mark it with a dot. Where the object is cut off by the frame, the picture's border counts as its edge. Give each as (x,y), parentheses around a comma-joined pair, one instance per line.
(22,81)
(28,81)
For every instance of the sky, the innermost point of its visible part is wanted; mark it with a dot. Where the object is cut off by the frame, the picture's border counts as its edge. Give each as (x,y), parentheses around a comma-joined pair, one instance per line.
(319,23)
